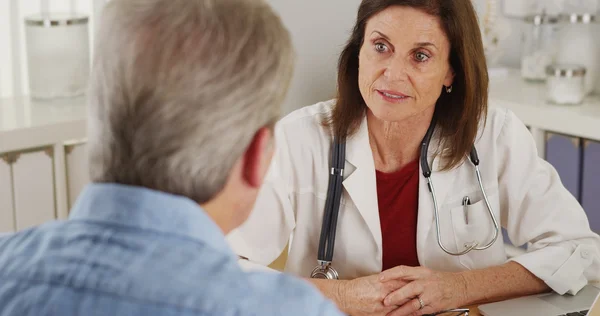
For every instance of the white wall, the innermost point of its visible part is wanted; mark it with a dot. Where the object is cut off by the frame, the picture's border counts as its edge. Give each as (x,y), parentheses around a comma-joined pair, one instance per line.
(5,69)
(317,42)
(319,29)
(17,10)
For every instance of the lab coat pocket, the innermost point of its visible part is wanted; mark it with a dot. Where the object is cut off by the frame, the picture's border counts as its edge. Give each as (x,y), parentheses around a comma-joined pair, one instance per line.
(473,224)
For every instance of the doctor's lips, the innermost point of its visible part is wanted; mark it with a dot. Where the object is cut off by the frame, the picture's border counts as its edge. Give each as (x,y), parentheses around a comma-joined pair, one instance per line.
(392,96)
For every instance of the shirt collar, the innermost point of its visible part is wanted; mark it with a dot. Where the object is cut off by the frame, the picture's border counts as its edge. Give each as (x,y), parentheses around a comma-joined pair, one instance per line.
(150,210)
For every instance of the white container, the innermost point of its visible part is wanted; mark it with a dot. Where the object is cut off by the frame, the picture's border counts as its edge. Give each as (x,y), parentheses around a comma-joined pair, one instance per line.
(578,45)
(539,46)
(566,84)
(58,55)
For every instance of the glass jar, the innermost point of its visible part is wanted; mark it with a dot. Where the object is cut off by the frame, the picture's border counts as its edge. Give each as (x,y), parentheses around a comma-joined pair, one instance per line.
(566,83)
(58,55)
(577,45)
(538,46)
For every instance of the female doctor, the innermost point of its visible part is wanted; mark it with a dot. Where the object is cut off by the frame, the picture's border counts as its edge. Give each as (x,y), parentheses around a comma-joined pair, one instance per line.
(412,97)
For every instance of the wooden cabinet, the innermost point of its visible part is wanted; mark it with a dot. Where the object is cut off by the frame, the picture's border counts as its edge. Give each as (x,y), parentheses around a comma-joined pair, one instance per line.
(564,153)
(40,185)
(7,214)
(77,170)
(590,194)
(33,184)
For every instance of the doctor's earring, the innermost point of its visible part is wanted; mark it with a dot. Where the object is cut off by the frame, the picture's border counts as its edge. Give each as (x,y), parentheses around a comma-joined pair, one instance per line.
(449,89)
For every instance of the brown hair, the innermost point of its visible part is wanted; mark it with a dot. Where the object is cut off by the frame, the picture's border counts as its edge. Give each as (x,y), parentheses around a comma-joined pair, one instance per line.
(458,113)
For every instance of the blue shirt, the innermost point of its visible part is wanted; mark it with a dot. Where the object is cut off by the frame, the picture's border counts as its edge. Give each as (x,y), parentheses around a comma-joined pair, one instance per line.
(133,251)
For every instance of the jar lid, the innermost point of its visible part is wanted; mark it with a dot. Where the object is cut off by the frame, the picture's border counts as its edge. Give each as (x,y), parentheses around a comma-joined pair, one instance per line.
(565,70)
(56,19)
(584,18)
(538,19)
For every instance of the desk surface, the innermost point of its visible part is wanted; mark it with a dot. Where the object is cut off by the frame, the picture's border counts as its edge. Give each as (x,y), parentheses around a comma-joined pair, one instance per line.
(474,311)
(279,264)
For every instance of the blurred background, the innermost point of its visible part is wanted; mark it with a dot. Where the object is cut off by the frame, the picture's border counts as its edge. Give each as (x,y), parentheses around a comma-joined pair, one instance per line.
(319,28)
(543,57)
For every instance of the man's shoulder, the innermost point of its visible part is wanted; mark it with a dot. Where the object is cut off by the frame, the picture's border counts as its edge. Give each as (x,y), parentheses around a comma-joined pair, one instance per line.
(141,269)
(288,295)
(22,244)
(215,284)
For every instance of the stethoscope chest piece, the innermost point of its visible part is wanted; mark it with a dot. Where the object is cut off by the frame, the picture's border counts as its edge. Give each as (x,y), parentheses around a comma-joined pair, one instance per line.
(324,271)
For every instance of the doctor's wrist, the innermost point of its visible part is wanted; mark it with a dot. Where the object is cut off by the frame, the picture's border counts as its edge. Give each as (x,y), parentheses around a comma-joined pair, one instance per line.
(335,290)
(342,290)
(465,298)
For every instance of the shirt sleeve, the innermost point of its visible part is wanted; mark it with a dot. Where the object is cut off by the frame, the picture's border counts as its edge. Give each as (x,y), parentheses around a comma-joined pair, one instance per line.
(540,212)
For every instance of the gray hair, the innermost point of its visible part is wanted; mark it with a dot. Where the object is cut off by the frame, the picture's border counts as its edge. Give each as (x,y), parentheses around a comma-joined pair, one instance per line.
(180,87)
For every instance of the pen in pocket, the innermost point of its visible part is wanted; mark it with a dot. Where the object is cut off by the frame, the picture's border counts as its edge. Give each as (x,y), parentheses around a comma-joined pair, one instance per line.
(466,202)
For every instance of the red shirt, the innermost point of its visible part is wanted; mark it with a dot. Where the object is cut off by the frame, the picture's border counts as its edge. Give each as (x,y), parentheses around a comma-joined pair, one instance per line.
(398,198)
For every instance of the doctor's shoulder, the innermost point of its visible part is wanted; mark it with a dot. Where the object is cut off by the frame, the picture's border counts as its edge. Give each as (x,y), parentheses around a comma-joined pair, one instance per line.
(304,136)
(306,123)
(500,129)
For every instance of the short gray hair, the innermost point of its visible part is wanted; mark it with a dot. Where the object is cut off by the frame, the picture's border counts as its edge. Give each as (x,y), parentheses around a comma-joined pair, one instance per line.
(180,87)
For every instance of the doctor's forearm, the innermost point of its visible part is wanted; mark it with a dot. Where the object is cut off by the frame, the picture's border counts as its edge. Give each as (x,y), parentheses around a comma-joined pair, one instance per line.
(332,289)
(501,282)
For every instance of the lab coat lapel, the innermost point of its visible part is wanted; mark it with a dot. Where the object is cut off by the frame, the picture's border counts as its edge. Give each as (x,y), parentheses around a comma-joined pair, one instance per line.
(442,181)
(361,184)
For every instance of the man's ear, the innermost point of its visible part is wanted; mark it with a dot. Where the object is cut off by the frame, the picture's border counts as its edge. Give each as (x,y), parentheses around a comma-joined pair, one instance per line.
(257,157)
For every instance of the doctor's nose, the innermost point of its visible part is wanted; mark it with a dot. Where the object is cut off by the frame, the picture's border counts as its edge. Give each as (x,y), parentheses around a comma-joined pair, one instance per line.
(396,69)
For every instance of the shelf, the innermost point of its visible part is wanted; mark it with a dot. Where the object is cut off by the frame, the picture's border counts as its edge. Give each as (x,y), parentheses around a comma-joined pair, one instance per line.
(25,123)
(527,101)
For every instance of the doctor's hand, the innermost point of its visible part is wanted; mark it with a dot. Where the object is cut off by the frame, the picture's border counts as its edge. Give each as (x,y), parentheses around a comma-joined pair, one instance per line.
(437,291)
(365,295)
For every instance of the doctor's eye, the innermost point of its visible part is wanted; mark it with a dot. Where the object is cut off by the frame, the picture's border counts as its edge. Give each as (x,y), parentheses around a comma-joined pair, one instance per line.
(380,47)
(421,57)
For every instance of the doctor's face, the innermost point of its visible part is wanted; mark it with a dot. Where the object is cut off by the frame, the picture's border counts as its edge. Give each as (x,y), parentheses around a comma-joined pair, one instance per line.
(403,63)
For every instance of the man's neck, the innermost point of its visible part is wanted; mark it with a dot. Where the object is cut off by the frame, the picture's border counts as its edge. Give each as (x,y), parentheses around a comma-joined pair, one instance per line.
(217,210)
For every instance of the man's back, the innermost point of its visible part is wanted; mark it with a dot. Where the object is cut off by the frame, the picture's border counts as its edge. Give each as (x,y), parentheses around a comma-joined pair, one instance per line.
(132,251)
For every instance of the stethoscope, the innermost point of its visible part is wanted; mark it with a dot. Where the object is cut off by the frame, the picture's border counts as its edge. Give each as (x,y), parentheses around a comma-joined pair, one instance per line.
(324,269)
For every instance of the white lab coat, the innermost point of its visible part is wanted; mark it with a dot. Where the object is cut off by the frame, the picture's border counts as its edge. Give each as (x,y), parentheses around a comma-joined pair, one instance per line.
(525,191)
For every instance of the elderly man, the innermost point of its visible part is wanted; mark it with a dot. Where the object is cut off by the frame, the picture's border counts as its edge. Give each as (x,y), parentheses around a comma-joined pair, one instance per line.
(183,98)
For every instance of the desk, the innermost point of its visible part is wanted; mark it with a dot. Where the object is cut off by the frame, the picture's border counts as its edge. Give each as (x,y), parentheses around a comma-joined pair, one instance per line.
(474,311)
(279,264)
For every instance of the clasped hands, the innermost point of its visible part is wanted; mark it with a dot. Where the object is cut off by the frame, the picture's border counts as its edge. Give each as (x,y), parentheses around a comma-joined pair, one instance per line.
(405,291)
